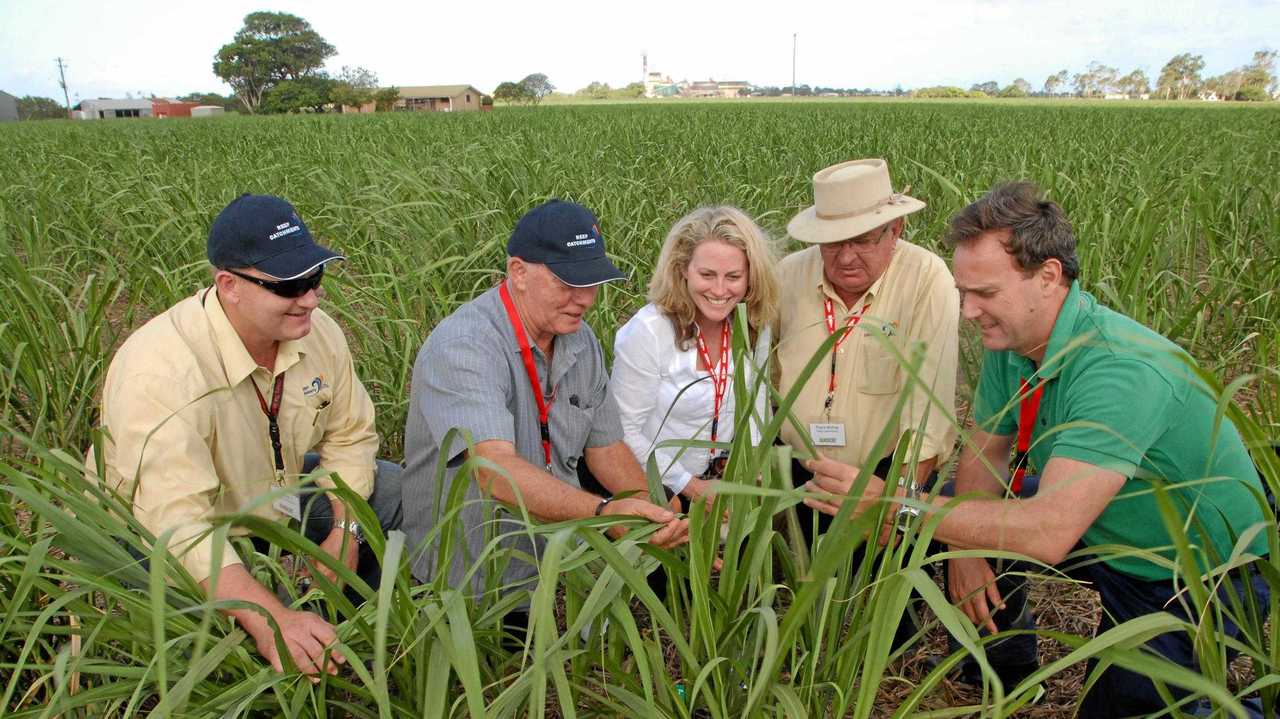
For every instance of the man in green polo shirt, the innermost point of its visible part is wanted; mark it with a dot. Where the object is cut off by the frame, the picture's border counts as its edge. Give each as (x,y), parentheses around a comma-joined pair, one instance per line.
(1102,413)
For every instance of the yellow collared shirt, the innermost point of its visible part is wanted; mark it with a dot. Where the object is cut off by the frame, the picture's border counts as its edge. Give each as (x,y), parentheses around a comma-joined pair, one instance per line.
(187,437)
(915,300)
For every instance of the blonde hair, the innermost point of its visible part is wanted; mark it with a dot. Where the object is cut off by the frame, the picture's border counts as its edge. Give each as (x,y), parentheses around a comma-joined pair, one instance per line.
(668,289)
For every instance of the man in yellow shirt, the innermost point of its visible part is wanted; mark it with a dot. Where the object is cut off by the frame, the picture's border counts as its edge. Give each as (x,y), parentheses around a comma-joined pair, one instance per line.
(214,404)
(885,297)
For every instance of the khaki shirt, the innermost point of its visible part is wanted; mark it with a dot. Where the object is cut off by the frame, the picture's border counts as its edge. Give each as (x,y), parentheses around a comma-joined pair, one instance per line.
(187,437)
(914,301)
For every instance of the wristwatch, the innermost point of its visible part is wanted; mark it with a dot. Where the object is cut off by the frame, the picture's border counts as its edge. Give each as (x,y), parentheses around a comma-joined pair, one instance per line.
(906,512)
(352,527)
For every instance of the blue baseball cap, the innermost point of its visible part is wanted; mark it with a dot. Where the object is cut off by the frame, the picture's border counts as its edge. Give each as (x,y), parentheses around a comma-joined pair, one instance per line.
(564,236)
(265,232)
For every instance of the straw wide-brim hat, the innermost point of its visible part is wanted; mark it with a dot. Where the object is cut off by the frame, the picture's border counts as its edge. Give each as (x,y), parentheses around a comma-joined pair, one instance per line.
(849,199)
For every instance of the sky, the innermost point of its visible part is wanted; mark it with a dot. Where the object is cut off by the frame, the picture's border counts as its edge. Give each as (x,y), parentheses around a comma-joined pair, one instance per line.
(166,47)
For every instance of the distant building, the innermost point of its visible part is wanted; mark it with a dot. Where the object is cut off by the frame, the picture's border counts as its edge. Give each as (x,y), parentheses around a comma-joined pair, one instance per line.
(1115,96)
(733,88)
(431,98)
(104,108)
(207,111)
(172,108)
(8,107)
(703,88)
(1210,96)
(655,80)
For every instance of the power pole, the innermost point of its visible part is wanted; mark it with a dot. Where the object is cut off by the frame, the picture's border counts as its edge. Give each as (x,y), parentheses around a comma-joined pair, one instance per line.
(793,64)
(62,82)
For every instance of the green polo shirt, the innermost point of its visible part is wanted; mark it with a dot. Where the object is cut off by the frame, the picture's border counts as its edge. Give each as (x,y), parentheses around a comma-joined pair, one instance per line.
(1119,396)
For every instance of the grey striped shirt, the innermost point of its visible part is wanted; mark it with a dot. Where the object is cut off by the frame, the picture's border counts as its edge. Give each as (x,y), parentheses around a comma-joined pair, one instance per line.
(469,375)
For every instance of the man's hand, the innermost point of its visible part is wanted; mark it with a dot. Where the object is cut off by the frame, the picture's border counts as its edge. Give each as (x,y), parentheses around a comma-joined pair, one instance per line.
(673,534)
(700,490)
(837,478)
(306,636)
(333,545)
(971,582)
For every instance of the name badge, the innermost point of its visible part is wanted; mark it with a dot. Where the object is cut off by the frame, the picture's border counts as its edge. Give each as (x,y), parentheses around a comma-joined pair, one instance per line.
(289,505)
(827,434)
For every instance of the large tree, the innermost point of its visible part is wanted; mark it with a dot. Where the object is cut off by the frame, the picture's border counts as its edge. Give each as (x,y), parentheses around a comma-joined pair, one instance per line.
(1180,77)
(1261,73)
(536,87)
(509,92)
(1135,84)
(271,47)
(1055,81)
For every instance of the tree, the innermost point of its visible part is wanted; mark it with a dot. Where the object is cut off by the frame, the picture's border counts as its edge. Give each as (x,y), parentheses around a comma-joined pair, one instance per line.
(228,103)
(353,87)
(990,87)
(311,92)
(271,47)
(1018,88)
(636,89)
(1261,73)
(385,99)
(1180,77)
(1055,81)
(536,87)
(1135,84)
(596,91)
(509,92)
(31,107)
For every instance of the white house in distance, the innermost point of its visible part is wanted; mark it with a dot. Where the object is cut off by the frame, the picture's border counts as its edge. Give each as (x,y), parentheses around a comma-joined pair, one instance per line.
(104,108)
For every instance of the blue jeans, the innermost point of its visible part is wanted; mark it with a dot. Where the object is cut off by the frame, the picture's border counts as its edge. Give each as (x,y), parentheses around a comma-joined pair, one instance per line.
(1118,692)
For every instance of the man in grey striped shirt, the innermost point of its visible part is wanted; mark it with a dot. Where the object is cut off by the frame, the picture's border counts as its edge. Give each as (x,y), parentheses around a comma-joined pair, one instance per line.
(519,370)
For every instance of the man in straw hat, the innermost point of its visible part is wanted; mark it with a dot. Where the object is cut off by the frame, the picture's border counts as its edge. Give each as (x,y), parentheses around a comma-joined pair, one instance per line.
(1116,442)
(883,296)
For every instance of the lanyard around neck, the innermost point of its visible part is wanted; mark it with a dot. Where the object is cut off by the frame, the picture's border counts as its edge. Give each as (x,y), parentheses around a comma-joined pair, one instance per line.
(530,368)
(273,424)
(719,373)
(829,314)
(1028,409)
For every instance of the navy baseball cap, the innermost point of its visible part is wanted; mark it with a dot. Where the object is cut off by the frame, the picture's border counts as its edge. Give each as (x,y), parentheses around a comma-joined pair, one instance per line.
(565,237)
(265,232)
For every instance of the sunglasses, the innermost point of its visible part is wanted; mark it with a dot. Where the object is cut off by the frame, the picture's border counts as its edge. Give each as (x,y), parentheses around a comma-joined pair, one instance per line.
(289,289)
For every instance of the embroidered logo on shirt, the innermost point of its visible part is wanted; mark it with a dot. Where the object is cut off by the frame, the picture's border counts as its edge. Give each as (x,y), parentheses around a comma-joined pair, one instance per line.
(315,386)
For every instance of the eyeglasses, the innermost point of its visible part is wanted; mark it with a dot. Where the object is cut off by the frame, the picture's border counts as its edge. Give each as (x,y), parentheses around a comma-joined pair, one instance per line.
(860,244)
(289,289)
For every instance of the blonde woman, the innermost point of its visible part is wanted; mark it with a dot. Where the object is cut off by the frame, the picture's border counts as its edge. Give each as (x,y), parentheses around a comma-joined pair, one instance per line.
(673,366)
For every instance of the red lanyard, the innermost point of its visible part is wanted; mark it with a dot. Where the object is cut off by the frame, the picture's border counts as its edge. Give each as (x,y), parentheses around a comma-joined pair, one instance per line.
(1028,408)
(526,352)
(829,313)
(273,424)
(719,373)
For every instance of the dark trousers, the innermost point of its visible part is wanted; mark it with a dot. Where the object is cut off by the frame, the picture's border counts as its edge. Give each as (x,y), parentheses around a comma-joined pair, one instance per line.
(1118,692)
(317,514)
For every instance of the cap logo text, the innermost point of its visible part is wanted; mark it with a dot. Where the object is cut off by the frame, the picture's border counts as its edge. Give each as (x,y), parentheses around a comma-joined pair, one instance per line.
(283,229)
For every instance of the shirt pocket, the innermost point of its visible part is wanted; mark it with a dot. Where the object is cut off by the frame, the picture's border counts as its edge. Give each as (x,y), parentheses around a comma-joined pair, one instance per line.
(315,415)
(878,370)
(571,426)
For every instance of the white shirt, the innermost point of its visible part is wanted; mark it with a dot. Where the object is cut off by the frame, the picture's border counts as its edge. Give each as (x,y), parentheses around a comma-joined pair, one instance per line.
(649,372)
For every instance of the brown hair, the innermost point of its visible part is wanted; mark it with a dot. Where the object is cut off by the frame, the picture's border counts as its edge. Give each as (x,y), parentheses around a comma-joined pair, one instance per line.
(1038,228)
(668,289)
